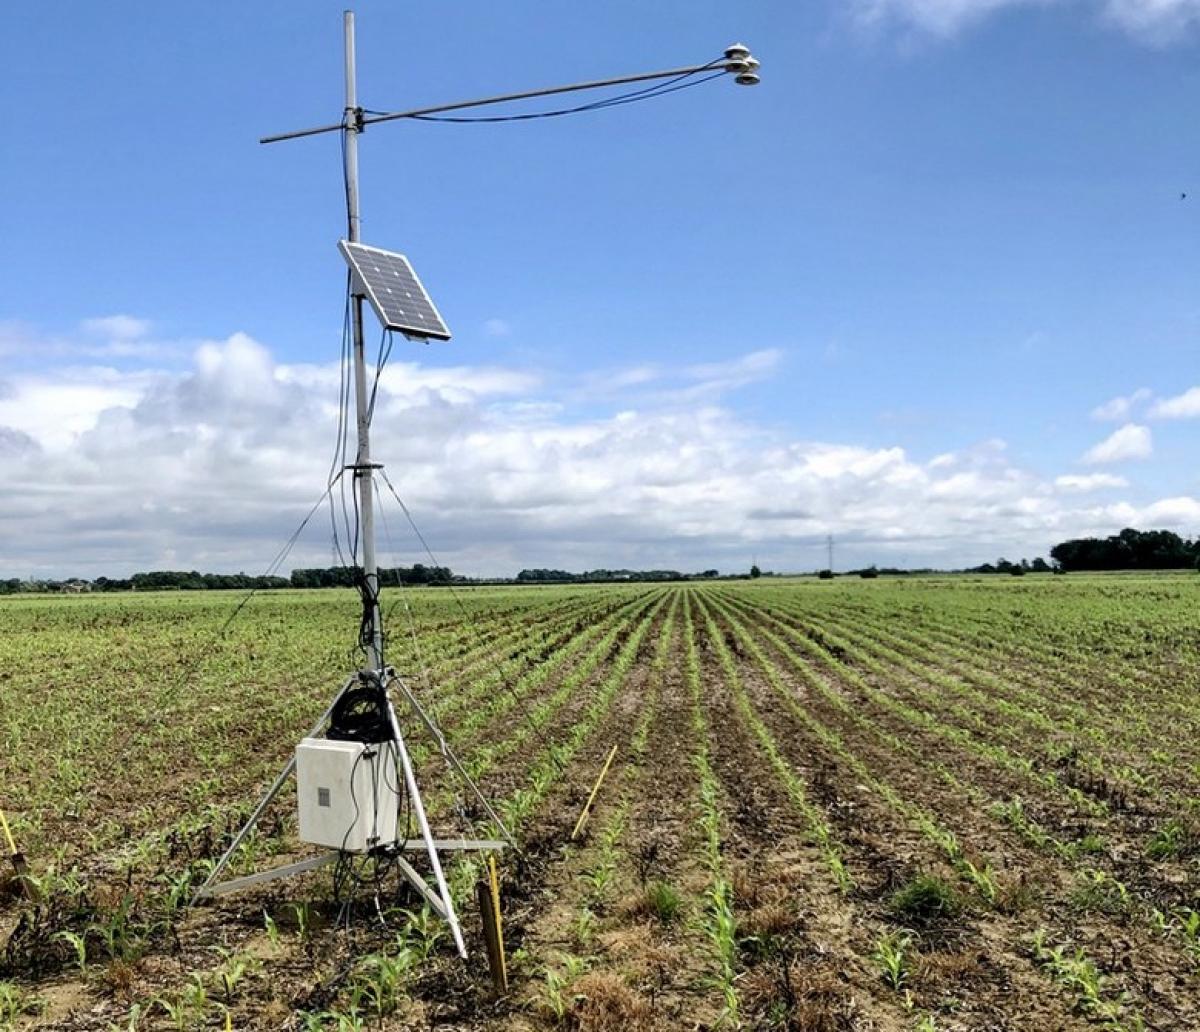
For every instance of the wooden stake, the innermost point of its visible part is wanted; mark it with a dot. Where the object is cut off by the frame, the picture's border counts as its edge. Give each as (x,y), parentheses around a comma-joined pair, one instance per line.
(587,807)
(487,891)
(18,861)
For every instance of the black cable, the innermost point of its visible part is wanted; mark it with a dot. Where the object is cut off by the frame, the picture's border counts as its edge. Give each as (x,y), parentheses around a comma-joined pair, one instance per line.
(339,874)
(381,360)
(354,506)
(338,462)
(616,102)
(370,602)
(346,174)
(643,93)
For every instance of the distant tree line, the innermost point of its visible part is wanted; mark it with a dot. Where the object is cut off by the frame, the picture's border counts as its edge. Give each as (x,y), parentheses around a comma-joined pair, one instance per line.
(1129,550)
(604,576)
(1039,565)
(392,577)
(176,580)
(193,580)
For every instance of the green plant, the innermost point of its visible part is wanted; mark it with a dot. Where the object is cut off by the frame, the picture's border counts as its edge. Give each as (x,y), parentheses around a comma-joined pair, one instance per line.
(1090,844)
(234,967)
(664,901)
(924,900)
(892,956)
(272,929)
(599,877)
(982,877)
(421,934)
(78,943)
(303,914)
(342,1021)
(585,926)
(176,1010)
(118,931)
(195,996)
(1099,892)
(554,995)
(1078,974)
(15,1002)
(1166,842)
(133,1023)
(382,976)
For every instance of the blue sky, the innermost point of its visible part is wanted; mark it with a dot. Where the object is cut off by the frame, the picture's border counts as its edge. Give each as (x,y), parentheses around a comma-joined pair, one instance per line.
(881,296)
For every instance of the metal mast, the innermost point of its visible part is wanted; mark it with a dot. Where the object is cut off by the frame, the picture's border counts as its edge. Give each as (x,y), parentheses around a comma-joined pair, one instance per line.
(364,471)
(425,324)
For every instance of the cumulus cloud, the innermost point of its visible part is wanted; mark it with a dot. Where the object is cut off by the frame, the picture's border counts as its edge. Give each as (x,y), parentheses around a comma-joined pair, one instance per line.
(212,467)
(116,327)
(679,385)
(1181,512)
(1088,481)
(1129,442)
(938,17)
(103,337)
(1182,406)
(1157,22)
(1120,407)
(16,442)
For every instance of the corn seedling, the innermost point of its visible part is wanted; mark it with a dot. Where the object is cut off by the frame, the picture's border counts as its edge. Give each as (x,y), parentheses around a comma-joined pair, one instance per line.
(893,958)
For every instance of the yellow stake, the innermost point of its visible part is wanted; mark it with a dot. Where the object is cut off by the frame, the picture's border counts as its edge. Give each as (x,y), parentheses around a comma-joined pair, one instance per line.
(12,846)
(592,798)
(20,865)
(496,910)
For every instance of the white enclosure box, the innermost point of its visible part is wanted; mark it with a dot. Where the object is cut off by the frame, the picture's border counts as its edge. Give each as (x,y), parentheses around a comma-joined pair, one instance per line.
(348,793)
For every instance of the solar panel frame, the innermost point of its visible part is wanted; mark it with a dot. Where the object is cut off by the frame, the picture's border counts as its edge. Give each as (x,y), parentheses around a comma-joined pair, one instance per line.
(388,280)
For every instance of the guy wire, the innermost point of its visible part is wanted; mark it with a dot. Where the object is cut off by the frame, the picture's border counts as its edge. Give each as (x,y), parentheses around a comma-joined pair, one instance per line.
(522,704)
(459,799)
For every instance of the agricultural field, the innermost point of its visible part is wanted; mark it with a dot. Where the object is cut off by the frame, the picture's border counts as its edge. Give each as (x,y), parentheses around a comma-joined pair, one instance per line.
(937,803)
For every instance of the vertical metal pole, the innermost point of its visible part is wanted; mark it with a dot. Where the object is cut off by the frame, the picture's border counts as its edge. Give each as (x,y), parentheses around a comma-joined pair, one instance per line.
(363,473)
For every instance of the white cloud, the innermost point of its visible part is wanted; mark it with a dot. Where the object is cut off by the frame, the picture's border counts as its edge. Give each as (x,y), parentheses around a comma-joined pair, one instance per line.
(1088,481)
(1157,22)
(700,383)
(1172,513)
(105,337)
(110,471)
(55,408)
(1129,442)
(496,328)
(116,327)
(938,17)
(1121,407)
(1182,406)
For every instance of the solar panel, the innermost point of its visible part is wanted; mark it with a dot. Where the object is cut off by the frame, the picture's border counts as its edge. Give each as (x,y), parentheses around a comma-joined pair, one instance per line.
(389,283)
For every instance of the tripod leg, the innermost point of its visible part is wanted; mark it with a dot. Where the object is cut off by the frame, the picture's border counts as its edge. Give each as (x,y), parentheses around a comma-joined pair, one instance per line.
(423,823)
(452,760)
